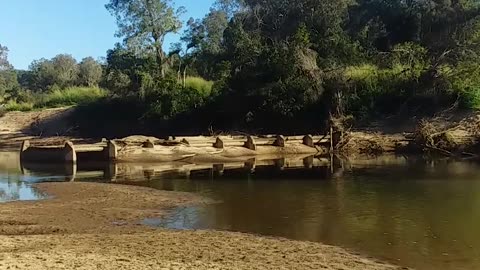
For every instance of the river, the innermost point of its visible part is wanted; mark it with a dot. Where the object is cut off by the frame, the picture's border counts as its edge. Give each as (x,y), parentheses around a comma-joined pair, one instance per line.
(409,211)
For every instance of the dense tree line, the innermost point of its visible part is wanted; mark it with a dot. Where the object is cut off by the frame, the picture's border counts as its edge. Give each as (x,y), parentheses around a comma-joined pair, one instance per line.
(291,61)
(276,63)
(44,75)
(361,57)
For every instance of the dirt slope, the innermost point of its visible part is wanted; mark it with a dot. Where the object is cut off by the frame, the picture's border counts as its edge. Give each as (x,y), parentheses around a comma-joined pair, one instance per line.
(48,122)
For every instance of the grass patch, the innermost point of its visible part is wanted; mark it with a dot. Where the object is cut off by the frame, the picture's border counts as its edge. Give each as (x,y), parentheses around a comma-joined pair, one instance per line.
(471,99)
(21,107)
(203,86)
(57,98)
(71,96)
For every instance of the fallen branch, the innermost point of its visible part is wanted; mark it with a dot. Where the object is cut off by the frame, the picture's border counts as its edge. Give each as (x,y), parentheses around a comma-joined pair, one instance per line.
(448,153)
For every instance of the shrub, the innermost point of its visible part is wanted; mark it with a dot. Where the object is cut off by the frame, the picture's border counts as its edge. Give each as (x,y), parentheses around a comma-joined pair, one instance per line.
(167,98)
(471,99)
(27,96)
(203,86)
(464,80)
(374,90)
(22,107)
(71,96)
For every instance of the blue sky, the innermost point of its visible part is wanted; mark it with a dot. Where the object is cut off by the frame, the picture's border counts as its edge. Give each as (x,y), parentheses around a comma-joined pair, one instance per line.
(33,29)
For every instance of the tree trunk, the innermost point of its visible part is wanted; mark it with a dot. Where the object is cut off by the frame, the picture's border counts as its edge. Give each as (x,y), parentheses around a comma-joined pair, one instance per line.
(160,57)
(179,72)
(185,76)
(160,63)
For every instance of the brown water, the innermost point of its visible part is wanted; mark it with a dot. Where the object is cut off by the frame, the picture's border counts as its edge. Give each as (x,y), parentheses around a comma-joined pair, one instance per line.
(413,215)
(411,212)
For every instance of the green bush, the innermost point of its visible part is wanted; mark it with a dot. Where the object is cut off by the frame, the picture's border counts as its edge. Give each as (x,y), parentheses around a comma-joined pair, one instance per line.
(203,86)
(26,100)
(372,89)
(464,81)
(26,96)
(22,107)
(166,99)
(471,99)
(70,96)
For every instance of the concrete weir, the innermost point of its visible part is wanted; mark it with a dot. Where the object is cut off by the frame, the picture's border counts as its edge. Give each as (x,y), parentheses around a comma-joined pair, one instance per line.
(65,153)
(149,149)
(68,153)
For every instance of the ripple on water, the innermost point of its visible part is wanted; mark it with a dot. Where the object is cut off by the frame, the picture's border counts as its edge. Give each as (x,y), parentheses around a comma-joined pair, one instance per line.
(180,218)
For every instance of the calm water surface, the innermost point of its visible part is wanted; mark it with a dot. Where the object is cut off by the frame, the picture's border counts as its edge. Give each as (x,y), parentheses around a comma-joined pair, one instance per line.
(14,186)
(408,211)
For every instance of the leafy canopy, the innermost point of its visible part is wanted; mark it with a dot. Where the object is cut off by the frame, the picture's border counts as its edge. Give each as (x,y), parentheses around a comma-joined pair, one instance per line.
(144,24)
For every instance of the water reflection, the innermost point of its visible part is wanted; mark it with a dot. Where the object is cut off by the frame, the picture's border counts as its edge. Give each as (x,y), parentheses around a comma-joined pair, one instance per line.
(408,211)
(12,188)
(417,213)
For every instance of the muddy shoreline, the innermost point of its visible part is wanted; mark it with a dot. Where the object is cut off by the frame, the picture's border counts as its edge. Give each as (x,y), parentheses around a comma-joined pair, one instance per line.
(91,225)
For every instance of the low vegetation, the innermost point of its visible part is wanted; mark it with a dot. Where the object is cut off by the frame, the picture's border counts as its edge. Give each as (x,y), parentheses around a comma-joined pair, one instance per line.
(202,86)
(71,96)
(15,106)
(57,98)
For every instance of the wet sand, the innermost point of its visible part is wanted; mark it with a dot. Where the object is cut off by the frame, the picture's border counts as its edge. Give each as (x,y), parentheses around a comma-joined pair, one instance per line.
(89,207)
(97,226)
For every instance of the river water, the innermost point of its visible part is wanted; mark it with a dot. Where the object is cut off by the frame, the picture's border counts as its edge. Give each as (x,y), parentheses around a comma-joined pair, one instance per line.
(412,212)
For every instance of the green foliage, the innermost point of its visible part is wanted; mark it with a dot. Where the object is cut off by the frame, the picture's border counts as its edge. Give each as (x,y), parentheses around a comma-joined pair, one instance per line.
(8,82)
(167,98)
(22,107)
(229,7)
(4,64)
(471,99)
(27,100)
(463,80)
(124,69)
(65,70)
(8,77)
(202,86)
(252,63)
(90,72)
(144,24)
(302,36)
(41,75)
(71,96)
(61,71)
(27,96)
(118,82)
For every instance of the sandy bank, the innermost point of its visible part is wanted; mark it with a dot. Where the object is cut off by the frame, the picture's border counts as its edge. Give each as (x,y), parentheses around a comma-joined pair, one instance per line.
(450,133)
(96,226)
(88,207)
(174,250)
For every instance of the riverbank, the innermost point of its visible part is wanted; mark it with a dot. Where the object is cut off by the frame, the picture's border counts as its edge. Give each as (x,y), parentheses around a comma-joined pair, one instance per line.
(89,225)
(174,250)
(89,208)
(449,133)
(42,127)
